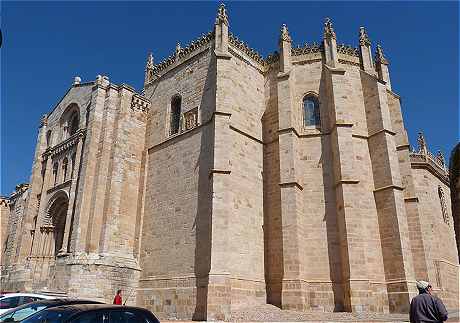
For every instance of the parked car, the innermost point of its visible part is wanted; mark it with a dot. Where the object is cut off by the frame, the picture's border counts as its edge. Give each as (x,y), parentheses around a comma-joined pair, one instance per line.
(12,300)
(93,313)
(22,312)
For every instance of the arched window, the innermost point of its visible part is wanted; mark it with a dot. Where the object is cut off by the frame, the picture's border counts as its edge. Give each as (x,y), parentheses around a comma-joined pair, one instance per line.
(176,102)
(442,200)
(74,123)
(65,164)
(48,138)
(55,172)
(311,115)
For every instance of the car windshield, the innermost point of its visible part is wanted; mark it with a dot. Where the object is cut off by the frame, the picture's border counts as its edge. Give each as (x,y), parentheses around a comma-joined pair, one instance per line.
(21,313)
(52,315)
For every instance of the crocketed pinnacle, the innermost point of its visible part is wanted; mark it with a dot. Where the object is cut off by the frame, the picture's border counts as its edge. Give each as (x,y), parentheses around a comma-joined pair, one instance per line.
(421,143)
(328,29)
(285,34)
(222,15)
(363,37)
(150,64)
(379,56)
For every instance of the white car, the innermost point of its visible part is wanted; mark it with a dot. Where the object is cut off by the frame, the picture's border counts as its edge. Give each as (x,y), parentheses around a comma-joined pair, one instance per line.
(12,300)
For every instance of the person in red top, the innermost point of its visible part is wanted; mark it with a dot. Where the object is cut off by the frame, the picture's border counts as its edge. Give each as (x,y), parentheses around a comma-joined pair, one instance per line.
(117,300)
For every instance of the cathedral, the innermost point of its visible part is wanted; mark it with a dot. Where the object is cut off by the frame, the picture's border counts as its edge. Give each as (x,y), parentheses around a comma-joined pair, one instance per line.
(234,180)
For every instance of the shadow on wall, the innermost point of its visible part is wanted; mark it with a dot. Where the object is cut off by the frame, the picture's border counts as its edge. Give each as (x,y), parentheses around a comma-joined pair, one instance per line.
(330,216)
(203,217)
(454,165)
(272,225)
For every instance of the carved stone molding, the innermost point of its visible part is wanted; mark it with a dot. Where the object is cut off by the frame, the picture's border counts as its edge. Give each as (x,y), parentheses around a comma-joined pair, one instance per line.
(190,119)
(178,55)
(65,145)
(348,50)
(138,102)
(250,52)
(307,49)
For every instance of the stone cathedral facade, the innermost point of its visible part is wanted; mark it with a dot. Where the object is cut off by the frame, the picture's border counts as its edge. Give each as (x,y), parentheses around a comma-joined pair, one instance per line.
(235,180)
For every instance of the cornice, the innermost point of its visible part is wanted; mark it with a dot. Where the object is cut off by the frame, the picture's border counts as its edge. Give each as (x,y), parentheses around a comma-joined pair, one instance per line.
(426,161)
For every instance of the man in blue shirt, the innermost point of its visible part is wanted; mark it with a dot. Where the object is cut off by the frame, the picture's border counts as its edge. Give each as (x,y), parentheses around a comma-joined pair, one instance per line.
(425,307)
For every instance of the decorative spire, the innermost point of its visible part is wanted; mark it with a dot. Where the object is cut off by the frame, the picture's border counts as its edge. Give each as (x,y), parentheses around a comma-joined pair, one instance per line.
(440,158)
(178,49)
(285,34)
(150,64)
(222,15)
(328,29)
(421,143)
(363,37)
(379,56)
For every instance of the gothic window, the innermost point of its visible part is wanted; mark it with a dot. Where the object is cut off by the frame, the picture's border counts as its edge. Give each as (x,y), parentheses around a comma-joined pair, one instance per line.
(74,123)
(55,172)
(311,115)
(65,164)
(442,200)
(175,114)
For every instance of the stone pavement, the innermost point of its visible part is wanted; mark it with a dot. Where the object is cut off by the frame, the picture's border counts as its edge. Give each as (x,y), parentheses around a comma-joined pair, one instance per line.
(269,313)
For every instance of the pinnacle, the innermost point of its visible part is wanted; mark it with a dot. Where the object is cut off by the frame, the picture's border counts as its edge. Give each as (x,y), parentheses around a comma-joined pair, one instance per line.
(328,29)
(363,37)
(150,63)
(285,34)
(222,15)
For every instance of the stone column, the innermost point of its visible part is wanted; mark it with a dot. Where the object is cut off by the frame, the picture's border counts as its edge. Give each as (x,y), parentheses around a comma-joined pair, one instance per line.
(293,290)
(218,286)
(353,243)
(389,196)
(72,195)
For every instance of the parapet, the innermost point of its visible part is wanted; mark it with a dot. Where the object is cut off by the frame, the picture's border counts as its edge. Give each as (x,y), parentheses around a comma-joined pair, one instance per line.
(423,158)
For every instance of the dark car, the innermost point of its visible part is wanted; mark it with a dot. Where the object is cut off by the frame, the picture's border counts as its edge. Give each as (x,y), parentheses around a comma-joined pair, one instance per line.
(22,312)
(93,313)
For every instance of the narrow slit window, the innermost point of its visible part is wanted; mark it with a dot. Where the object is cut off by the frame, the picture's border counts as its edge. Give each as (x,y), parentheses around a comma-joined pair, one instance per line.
(175,114)
(55,173)
(65,164)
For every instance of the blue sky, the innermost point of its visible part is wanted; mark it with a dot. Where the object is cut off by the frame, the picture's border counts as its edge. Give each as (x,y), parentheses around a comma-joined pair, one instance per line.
(46,44)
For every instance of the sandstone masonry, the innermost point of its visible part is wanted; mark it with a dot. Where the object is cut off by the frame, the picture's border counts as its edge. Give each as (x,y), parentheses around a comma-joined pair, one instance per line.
(236,180)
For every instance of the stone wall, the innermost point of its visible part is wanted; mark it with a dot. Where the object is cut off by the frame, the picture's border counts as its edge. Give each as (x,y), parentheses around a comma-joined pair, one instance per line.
(438,236)
(175,245)
(239,149)
(4,219)
(244,204)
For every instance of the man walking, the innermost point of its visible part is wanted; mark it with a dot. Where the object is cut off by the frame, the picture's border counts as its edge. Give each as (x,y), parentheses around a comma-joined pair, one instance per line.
(426,307)
(117,300)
